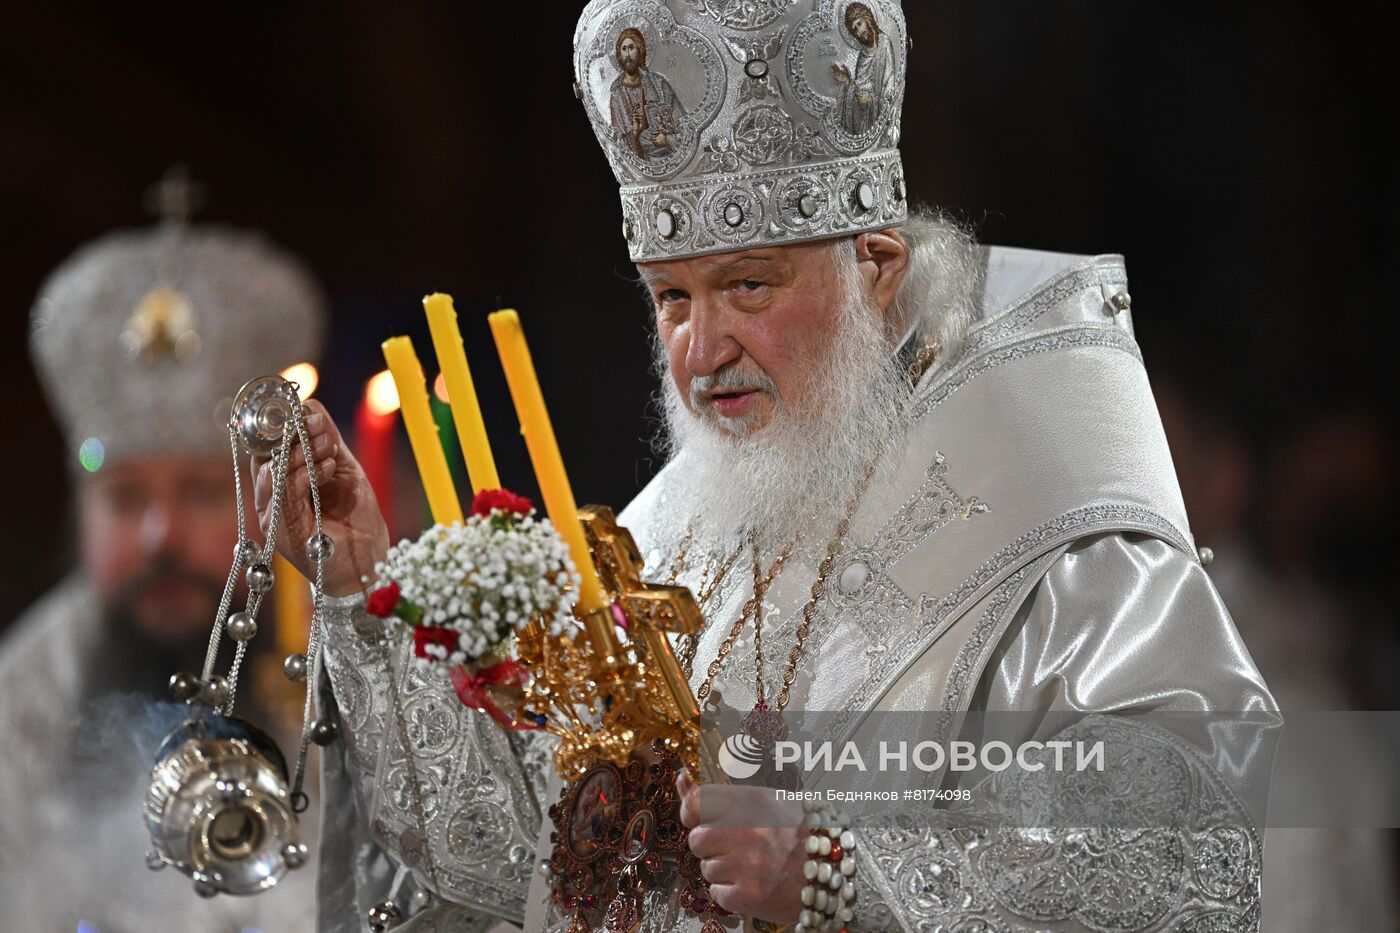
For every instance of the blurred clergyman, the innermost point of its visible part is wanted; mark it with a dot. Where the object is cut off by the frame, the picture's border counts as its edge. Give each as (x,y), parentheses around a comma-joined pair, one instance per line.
(140,339)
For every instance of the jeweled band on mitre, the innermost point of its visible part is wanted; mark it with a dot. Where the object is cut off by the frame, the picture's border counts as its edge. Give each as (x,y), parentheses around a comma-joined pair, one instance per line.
(731,124)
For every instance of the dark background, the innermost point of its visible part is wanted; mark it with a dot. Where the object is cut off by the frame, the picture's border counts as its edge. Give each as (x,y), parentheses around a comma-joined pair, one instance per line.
(1231,151)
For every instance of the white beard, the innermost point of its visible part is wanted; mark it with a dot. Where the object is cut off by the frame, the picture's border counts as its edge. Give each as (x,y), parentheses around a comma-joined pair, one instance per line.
(796,476)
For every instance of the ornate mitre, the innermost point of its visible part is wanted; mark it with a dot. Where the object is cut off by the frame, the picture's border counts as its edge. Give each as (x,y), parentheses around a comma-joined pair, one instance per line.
(732,124)
(142,337)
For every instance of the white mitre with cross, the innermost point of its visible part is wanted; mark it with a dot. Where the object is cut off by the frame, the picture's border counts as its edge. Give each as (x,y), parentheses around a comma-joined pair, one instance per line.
(142,337)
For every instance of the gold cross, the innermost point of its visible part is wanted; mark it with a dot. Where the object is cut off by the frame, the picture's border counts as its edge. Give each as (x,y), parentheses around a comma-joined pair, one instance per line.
(652,610)
(176,197)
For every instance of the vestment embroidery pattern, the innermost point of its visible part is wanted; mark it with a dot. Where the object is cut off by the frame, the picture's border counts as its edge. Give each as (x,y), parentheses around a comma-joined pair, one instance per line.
(449,918)
(778,192)
(743,14)
(1223,921)
(933,615)
(660,30)
(763,134)
(881,123)
(1053,295)
(474,813)
(1111,879)
(1070,525)
(1074,337)
(756,81)
(992,622)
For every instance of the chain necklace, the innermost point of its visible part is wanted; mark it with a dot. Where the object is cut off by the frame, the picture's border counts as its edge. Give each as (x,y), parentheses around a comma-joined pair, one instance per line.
(809,610)
(709,585)
(758,685)
(752,610)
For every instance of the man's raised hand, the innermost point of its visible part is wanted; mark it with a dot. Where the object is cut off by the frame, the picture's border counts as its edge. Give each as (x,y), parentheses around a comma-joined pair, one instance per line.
(349,511)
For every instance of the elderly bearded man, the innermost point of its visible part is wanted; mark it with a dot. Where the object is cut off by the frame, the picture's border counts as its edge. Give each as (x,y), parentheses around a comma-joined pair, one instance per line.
(930,475)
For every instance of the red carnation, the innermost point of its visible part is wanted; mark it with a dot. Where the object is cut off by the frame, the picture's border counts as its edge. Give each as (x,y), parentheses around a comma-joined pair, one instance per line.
(502,499)
(383,601)
(425,635)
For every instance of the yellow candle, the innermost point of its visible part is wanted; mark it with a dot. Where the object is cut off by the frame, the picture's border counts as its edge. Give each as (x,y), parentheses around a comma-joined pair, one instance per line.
(461,392)
(544,452)
(422,430)
(292,602)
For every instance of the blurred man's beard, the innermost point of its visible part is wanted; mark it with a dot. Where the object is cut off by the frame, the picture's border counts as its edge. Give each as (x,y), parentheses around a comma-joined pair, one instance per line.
(146,651)
(798,473)
(140,663)
(169,600)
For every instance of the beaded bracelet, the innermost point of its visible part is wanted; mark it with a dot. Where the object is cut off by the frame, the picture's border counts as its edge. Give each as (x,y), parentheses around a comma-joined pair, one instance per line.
(830,871)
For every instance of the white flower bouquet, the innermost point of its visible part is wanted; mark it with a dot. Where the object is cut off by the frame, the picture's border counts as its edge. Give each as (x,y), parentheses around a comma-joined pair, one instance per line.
(461,592)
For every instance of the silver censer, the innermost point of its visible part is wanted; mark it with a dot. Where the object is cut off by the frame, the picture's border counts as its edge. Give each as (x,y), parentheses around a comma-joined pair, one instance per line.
(221,806)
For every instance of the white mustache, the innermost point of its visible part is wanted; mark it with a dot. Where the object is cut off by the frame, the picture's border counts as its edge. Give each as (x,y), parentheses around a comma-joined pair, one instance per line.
(729,379)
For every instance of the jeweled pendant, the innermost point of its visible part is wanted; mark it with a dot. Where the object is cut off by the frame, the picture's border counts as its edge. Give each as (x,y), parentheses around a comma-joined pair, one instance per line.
(764,724)
(617,834)
(766,727)
(624,915)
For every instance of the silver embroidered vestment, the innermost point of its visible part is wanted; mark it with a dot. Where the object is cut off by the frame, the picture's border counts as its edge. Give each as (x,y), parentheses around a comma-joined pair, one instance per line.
(1025,548)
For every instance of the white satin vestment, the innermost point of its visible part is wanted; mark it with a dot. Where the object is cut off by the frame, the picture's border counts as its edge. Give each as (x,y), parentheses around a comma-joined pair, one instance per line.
(1025,547)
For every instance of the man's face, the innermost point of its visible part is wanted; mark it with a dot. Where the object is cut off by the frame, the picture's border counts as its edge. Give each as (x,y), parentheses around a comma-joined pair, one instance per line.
(741,330)
(157,540)
(863,28)
(630,54)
